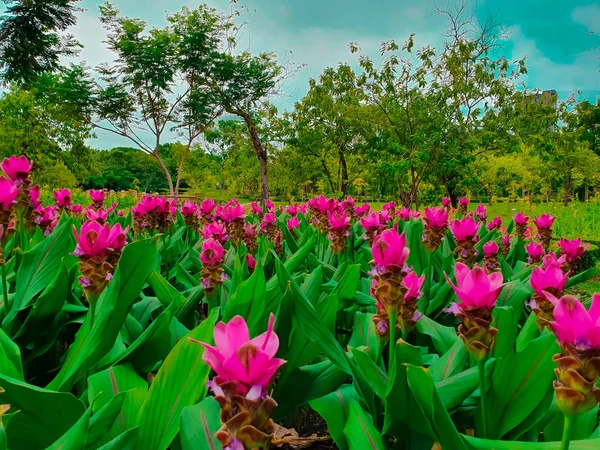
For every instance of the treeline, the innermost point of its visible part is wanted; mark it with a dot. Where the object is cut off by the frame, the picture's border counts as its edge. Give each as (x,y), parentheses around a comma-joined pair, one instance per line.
(412,125)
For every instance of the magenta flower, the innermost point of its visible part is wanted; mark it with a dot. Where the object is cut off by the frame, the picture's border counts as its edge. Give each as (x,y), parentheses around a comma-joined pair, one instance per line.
(216,231)
(270,205)
(76,209)
(535,251)
(17,168)
(446,202)
(575,325)
(464,229)
(303,208)
(237,358)
(212,252)
(389,206)
(155,204)
(490,249)
(251,262)
(293,223)
(481,212)
(544,221)
(322,204)
(572,248)
(475,288)
(463,202)
(189,209)
(63,198)
(338,221)
(268,219)
(549,278)
(389,249)
(293,210)
(99,215)
(436,218)
(207,206)
(97,240)
(496,223)
(8,192)
(370,221)
(97,196)
(506,239)
(385,216)
(406,214)
(360,211)
(521,219)
(233,212)
(34,197)
(413,283)
(551,259)
(256,208)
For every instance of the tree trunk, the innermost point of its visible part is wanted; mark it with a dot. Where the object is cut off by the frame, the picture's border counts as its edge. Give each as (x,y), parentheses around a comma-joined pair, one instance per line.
(344,173)
(181,165)
(163,167)
(261,154)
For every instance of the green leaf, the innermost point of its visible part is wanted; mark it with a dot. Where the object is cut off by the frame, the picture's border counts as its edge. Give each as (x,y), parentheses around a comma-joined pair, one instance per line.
(199,423)
(249,301)
(334,408)
(180,382)
(44,416)
(454,390)
(103,420)
(136,263)
(443,337)
(10,358)
(451,363)
(125,441)
(486,444)
(377,378)
(75,437)
(359,430)
(363,334)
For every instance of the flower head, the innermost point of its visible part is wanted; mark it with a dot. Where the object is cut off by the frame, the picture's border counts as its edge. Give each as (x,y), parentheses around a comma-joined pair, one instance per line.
(370,221)
(212,252)
(256,208)
(189,209)
(233,212)
(481,212)
(544,221)
(464,229)
(8,192)
(17,168)
(207,206)
(436,218)
(575,325)
(446,202)
(535,251)
(293,210)
(63,198)
(406,214)
(338,221)
(97,196)
(490,249)
(521,219)
(475,288)
(551,279)
(34,197)
(413,283)
(214,230)
(251,262)
(99,215)
(572,249)
(293,223)
(389,249)
(463,202)
(360,211)
(96,240)
(496,223)
(322,204)
(76,209)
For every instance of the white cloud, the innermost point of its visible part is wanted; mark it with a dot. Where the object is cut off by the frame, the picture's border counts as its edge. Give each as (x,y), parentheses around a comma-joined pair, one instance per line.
(589,16)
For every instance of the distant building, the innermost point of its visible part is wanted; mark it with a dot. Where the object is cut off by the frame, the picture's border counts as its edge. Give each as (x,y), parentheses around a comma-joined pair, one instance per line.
(548,97)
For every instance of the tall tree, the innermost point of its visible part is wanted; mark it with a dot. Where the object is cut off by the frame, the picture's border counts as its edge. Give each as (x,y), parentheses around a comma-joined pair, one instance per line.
(33,38)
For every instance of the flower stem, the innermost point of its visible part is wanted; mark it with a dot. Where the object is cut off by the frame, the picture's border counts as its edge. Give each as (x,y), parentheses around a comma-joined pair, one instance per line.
(392,343)
(483,392)
(566,437)
(4,290)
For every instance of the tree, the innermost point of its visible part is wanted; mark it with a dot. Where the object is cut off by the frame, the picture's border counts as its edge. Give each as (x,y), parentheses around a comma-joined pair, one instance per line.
(32,38)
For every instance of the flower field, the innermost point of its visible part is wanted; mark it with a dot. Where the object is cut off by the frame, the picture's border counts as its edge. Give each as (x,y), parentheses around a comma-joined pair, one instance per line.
(161,325)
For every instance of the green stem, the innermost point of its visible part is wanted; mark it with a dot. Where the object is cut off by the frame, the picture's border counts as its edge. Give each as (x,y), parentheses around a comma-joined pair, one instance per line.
(566,437)
(4,290)
(392,343)
(483,391)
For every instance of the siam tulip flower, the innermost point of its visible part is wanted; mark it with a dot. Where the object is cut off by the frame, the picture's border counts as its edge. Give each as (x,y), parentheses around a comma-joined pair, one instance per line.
(216,231)
(506,245)
(113,206)
(251,262)
(270,205)
(256,209)
(477,292)
(372,224)
(293,210)
(76,209)
(120,213)
(8,193)
(97,197)
(578,365)
(212,260)
(463,203)
(63,199)
(207,207)
(47,219)
(250,236)
(551,259)
(245,369)
(234,215)
(153,213)
(535,251)
(406,214)
(98,249)
(319,207)
(293,224)
(99,215)
(303,208)
(465,233)
(435,224)
(573,250)
(544,225)
(361,211)
(490,256)
(191,214)
(446,203)
(546,280)
(496,223)
(278,244)
(521,221)
(17,169)
(413,283)
(269,225)
(349,205)
(389,251)
(481,213)
(339,223)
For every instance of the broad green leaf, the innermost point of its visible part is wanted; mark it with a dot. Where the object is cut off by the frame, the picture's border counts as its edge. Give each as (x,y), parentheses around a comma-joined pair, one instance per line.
(249,301)
(10,358)
(180,382)
(443,337)
(44,416)
(103,420)
(451,363)
(199,423)
(359,430)
(454,390)
(486,444)
(377,378)
(125,441)
(75,438)
(363,334)
(334,408)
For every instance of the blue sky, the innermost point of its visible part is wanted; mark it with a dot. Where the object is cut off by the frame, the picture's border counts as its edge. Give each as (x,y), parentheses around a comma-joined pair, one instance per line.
(559,38)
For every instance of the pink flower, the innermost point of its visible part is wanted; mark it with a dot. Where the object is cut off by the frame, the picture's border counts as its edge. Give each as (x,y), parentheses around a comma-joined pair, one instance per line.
(490,249)
(389,249)
(251,262)
(371,221)
(474,288)
(63,198)
(464,229)
(97,196)
(120,213)
(8,192)
(385,216)
(238,358)
(413,283)
(34,196)
(446,202)
(47,219)
(572,248)
(362,210)
(269,219)
(303,208)
(17,168)
(189,209)
(406,214)
(152,203)
(521,219)
(99,215)
(97,240)
(496,223)
(436,218)
(506,239)
(548,278)
(349,202)
(481,212)
(207,206)
(269,204)
(256,208)
(76,209)
(293,223)
(233,212)
(575,325)
(551,259)
(293,210)
(463,202)
(544,221)
(322,204)
(215,230)
(212,252)
(338,222)
(534,250)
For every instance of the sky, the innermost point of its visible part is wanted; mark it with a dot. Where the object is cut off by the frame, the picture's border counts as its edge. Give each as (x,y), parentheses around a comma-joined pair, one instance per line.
(559,38)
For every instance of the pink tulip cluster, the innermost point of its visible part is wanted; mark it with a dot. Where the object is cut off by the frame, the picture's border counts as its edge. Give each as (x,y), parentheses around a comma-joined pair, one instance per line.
(372,224)
(320,207)
(234,215)
(98,197)
(191,214)
(481,213)
(544,228)
(572,250)
(339,224)
(19,198)
(548,282)
(153,213)
(435,224)
(211,256)
(47,218)
(490,256)
(521,221)
(406,214)
(245,368)
(465,234)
